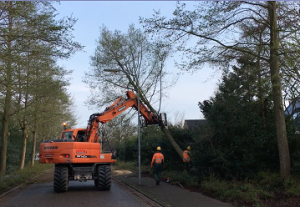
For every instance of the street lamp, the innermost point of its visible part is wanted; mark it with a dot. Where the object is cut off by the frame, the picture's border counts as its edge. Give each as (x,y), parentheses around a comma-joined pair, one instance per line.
(139,138)
(138,103)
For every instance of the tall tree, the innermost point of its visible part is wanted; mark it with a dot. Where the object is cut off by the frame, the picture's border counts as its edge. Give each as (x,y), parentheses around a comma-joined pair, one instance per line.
(50,104)
(141,68)
(23,24)
(7,37)
(216,27)
(283,147)
(240,143)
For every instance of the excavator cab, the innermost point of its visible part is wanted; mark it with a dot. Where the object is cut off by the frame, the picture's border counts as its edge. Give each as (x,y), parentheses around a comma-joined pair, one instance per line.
(67,136)
(80,136)
(76,135)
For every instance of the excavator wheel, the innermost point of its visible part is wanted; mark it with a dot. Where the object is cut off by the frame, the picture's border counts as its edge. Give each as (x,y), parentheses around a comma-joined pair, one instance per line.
(60,179)
(104,177)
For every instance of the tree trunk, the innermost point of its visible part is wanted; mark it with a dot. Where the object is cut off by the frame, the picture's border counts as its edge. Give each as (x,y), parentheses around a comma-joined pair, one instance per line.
(33,145)
(23,152)
(284,157)
(259,71)
(163,128)
(7,103)
(24,119)
(5,133)
(172,141)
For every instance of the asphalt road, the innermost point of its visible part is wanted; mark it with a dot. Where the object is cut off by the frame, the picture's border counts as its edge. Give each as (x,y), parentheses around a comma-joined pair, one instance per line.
(41,193)
(79,194)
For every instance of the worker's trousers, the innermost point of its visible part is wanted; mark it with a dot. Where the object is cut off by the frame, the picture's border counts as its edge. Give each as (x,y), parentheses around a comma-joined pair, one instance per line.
(187,166)
(157,168)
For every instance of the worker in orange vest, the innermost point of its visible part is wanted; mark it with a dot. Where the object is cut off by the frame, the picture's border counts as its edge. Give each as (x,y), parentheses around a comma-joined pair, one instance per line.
(158,161)
(186,158)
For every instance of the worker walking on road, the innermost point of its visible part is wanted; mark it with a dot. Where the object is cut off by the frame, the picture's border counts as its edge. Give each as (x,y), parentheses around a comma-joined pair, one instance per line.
(187,159)
(158,162)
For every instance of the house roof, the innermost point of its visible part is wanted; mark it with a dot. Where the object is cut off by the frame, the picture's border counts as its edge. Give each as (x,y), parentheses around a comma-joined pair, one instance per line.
(193,123)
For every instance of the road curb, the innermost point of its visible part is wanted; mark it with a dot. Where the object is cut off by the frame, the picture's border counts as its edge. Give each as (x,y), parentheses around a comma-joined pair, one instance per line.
(131,186)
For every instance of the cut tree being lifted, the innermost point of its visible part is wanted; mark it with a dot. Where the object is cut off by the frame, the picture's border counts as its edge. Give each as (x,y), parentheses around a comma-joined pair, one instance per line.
(78,155)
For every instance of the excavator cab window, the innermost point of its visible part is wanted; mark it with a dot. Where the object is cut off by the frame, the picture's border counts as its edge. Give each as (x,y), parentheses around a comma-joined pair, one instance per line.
(67,135)
(80,136)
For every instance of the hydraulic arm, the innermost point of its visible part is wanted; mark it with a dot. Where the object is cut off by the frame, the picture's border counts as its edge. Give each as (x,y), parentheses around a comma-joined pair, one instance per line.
(114,110)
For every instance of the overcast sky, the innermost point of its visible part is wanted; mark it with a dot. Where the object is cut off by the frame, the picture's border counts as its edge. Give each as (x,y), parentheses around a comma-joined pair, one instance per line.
(183,97)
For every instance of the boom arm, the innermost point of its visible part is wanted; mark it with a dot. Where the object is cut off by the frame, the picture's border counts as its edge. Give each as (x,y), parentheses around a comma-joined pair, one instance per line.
(118,107)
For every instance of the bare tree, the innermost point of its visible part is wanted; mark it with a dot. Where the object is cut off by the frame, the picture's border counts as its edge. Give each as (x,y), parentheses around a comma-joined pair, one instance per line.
(141,68)
(118,129)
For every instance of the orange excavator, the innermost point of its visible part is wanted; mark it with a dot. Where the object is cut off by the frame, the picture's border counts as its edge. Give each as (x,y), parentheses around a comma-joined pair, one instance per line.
(77,155)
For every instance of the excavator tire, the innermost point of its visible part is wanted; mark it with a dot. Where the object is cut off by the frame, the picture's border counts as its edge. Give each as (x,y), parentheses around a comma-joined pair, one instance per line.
(60,179)
(104,177)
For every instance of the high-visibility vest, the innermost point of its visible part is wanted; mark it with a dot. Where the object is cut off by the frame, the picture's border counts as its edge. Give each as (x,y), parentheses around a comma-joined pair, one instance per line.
(186,157)
(157,158)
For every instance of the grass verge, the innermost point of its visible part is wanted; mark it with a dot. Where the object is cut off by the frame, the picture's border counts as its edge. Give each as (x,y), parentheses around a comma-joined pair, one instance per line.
(265,190)
(16,178)
(120,165)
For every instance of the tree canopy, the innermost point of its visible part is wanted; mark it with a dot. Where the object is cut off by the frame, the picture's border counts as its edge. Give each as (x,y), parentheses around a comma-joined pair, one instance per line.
(140,66)
(33,88)
(225,31)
